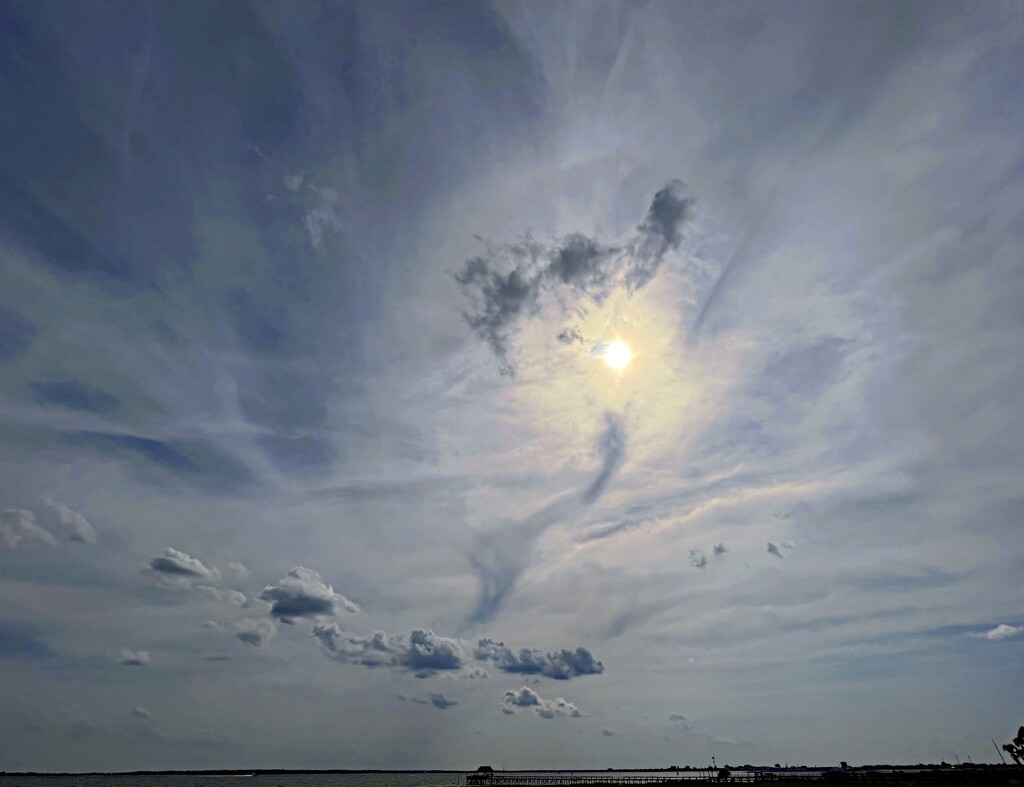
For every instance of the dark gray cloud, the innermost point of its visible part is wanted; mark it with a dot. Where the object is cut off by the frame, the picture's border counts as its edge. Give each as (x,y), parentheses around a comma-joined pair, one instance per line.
(421,652)
(698,559)
(505,288)
(303,594)
(256,631)
(527,698)
(773,549)
(661,231)
(560,665)
(436,699)
(676,717)
(607,732)
(135,658)
(570,335)
(74,395)
(506,285)
(19,529)
(180,566)
(719,549)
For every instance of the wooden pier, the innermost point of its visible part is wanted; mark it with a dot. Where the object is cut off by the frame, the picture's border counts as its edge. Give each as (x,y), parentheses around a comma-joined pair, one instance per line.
(985,776)
(682,779)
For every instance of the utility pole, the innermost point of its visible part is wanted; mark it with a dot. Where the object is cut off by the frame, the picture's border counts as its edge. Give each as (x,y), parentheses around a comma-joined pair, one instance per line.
(999,751)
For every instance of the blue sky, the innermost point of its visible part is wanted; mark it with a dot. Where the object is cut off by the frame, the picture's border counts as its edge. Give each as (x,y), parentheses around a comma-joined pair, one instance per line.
(309,456)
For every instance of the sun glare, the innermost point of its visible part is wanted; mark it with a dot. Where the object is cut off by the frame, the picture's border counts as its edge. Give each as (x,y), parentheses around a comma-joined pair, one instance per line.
(617,355)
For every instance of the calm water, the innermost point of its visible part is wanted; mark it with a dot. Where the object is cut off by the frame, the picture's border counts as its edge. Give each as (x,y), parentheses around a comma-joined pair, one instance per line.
(311,780)
(297,780)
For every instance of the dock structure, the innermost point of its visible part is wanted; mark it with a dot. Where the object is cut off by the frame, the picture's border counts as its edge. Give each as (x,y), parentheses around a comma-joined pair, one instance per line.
(985,776)
(681,779)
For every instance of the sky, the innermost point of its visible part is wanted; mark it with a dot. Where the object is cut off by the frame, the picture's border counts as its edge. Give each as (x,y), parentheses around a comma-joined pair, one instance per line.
(310,455)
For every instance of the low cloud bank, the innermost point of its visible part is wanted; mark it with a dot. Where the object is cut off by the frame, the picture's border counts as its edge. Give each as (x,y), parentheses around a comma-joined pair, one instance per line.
(526,698)
(560,665)
(424,653)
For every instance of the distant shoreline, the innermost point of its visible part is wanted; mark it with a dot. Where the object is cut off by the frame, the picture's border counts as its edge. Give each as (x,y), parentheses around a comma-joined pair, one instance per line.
(357,771)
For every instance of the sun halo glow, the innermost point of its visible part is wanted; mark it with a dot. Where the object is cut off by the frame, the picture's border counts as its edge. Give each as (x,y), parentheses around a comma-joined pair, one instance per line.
(617,355)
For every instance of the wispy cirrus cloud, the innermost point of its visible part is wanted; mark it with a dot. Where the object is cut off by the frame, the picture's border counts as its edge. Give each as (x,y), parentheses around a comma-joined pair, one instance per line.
(19,529)
(501,556)
(436,699)
(74,524)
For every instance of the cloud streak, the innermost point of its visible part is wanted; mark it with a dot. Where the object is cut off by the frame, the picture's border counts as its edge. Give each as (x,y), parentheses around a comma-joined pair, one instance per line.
(436,699)
(500,558)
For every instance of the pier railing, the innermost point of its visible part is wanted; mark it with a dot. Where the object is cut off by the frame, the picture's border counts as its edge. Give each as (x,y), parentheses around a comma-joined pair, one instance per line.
(683,778)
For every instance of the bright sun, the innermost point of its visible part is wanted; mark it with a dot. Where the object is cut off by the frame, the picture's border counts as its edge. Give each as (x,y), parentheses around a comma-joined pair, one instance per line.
(617,355)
